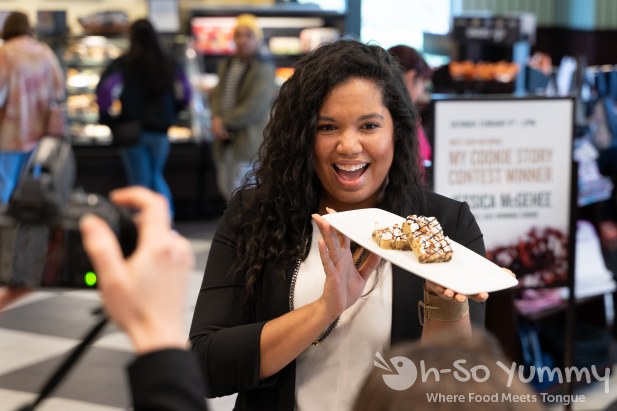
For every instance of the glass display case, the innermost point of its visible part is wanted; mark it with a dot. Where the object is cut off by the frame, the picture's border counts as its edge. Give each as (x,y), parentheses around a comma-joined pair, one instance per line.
(189,170)
(84,58)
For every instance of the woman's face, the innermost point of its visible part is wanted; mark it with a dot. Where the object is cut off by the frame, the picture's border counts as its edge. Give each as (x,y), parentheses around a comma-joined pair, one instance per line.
(354,145)
(416,86)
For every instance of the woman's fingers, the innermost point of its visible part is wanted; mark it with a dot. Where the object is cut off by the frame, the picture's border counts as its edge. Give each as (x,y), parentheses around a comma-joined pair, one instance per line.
(437,289)
(483,296)
(451,294)
(326,260)
(330,237)
(343,240)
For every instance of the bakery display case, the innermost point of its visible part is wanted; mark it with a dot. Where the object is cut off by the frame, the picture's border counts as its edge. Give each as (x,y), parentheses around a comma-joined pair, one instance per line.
(84,59)
(189,170)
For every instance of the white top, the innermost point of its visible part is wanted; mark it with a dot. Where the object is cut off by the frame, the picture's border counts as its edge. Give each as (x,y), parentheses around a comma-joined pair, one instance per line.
(329,375)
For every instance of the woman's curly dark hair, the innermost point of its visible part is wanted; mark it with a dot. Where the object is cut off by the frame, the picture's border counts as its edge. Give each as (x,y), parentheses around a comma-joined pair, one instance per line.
(284,189)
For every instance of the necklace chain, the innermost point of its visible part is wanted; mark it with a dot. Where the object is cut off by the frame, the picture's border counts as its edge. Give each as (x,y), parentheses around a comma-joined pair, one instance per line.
(292,290)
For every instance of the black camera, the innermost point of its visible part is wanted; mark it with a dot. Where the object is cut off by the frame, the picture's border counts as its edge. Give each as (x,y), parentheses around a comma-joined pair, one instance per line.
(40,241)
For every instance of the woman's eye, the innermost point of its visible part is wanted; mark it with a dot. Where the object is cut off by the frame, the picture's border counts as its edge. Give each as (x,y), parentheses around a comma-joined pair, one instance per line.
(325,127)
(370,126)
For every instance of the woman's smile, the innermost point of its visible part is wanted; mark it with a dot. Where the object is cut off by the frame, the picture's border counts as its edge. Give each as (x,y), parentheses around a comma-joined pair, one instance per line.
(350,173)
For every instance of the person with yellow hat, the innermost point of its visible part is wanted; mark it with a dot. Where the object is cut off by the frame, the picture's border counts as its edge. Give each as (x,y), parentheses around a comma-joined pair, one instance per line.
(240,104)
(248,35)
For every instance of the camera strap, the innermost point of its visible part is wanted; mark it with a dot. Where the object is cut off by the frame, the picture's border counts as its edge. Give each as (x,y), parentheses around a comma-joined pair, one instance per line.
(55,379)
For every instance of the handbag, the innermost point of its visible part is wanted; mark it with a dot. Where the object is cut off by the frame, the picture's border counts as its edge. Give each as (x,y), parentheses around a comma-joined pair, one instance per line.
(125,133)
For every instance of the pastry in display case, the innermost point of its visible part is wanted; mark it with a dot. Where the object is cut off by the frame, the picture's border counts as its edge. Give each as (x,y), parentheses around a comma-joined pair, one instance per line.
(89,133)
(179,133)
(94,50)
(77,80)
(84,107)
(483,77)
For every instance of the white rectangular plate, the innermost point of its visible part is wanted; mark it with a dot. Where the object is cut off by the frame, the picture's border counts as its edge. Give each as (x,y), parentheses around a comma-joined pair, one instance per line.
(467,273)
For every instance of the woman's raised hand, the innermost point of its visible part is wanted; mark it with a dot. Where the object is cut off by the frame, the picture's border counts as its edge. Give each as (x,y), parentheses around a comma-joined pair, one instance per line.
(344,282)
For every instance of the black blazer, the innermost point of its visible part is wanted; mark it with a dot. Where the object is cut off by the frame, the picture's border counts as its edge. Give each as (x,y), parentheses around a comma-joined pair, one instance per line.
(226,335)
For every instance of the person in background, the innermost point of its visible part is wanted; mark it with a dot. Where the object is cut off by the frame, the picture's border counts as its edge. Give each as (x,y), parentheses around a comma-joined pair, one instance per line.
(291,313)
(476,358)
(144,295)
(417,74)
(151,88)
(31,94)
(240,103)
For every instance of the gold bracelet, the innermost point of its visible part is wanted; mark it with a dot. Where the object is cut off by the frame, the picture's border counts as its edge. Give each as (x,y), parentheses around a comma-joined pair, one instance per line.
(435,307)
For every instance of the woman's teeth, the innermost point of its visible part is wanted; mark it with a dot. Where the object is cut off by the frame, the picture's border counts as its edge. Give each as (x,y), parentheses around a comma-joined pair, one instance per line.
(350,167)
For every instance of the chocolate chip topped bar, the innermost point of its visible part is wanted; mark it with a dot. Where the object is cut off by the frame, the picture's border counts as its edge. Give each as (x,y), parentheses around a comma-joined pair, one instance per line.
(391,238)
(427,239)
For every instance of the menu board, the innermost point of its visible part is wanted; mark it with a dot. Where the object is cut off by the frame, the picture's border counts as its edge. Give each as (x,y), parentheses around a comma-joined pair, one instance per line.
(511,161)
(214,35)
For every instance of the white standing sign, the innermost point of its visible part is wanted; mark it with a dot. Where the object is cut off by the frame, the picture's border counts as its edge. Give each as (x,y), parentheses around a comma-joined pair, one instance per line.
(511,160)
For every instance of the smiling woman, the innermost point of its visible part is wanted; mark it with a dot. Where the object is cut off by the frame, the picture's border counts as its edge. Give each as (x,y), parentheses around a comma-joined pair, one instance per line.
(284,295)
(354,145)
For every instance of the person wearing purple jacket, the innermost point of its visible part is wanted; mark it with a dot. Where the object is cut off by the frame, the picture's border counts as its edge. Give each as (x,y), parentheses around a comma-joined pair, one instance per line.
(151,88)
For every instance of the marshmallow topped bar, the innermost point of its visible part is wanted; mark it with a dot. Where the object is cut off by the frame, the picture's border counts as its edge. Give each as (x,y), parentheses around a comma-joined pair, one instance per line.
(391,238)
(427,240)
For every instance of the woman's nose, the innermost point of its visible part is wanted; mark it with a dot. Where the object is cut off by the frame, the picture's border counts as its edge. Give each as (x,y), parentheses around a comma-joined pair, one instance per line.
(349,143)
